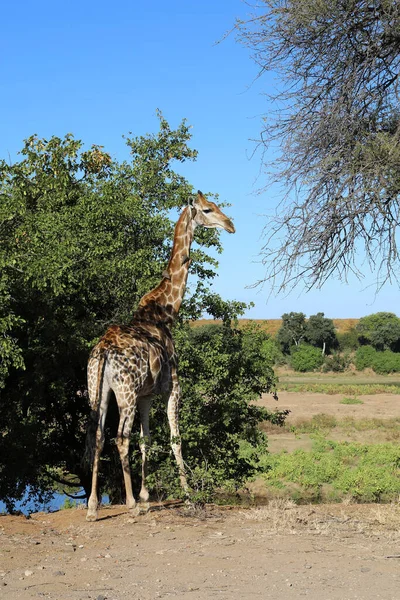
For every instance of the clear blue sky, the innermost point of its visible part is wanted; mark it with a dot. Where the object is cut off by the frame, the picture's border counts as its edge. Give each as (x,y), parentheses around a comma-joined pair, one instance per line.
(100,70)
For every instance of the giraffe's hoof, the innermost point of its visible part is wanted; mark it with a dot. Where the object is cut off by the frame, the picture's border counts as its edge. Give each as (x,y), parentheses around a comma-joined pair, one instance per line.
(134,511)
(91,516)
(144,507)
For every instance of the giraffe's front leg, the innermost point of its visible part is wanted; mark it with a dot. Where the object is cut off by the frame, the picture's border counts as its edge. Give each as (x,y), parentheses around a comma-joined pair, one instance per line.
(173,419)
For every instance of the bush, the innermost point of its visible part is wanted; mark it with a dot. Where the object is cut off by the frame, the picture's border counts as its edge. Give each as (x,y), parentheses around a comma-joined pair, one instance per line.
(306,358)
(348,340)
(365,357)
(336,363)
(222,372)
(386,362)
(381,362)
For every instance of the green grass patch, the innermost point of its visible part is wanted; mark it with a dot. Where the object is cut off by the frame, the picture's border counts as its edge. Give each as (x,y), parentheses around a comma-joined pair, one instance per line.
(336,470)
(318,423)
(351,401)
(354,389)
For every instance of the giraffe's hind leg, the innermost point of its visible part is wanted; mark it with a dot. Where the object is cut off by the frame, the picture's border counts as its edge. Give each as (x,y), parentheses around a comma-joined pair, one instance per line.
(127,415)
(99,443)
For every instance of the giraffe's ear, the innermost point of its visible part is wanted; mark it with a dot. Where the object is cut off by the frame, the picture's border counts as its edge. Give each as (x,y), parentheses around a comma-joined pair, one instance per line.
(196,200)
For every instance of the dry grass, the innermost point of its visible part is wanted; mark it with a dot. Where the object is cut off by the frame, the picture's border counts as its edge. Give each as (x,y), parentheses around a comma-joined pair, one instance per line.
(283,516)
(272,326)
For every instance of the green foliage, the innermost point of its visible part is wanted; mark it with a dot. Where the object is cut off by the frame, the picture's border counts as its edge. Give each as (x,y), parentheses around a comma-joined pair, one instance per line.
(306,358)
(381,362)
(272,352)
(292,330)
(341,388)
(336,363)
(348,340)
(351,401)
(83,238)
(320,332)
(366,473)
(222,372)
(380,330)
(365,357)
(386,362)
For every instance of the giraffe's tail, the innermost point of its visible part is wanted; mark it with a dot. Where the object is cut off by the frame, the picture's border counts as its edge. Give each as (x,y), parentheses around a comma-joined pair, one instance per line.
(90,443)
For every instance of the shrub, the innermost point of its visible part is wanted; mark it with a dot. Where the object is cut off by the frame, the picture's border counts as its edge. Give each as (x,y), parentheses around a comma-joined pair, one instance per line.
(306,358)
(381,362)
(386,362)
(348,340)
(365,357)
(336,363)
(222,372)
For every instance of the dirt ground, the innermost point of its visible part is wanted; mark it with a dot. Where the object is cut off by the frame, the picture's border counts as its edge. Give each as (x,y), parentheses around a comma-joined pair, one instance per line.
(278,552)
(304,406)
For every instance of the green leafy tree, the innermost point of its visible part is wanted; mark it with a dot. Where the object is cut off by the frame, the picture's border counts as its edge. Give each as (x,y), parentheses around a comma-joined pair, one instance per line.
(380,330)
(292,331)
(83,238)
(337,123)
(320,332)
(223,372)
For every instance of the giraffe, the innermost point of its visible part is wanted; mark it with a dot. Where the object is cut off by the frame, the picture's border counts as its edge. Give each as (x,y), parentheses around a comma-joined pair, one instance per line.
(138,360)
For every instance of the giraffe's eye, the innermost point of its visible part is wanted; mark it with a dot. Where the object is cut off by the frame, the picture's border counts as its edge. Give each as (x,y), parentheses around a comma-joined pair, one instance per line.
(207,210)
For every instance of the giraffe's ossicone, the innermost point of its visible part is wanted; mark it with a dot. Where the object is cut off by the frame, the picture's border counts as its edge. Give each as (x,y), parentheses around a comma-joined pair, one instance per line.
(138,360)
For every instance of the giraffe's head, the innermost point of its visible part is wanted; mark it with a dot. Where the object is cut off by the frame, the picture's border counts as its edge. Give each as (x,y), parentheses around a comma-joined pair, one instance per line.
(207,214)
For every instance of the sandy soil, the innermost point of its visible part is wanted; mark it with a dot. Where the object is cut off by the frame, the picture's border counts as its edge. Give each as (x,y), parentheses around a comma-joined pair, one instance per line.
(304,406)
(277,552)
(281,551)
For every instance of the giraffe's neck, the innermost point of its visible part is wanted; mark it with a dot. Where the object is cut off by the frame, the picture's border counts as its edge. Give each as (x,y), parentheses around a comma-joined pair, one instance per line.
(164,301)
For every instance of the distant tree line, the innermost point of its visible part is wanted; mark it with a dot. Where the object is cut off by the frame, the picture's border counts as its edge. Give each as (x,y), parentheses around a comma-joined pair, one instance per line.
(309,344)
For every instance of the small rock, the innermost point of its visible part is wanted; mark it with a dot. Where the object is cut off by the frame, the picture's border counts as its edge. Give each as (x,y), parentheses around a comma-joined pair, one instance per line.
(58,573)
(101,597)
(107,556)
(28,573)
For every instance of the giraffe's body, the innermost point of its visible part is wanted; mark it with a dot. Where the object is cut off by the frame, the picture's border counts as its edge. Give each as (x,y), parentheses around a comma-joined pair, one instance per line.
(138,360)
